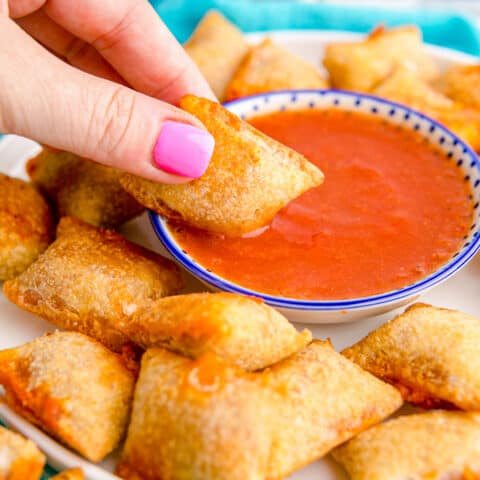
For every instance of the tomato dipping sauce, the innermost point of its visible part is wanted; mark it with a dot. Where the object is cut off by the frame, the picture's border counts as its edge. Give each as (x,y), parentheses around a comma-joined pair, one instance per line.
(392,210)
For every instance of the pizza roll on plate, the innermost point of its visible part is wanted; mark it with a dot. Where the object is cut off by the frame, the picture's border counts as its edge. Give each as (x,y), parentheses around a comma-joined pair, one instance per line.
(240,329)
(20,459)
(90,280)
(325,400)
(405,87)
(73,388)
(206,419)
(269,67)
(361,65)
(431,354)
(461,83)
(73,474)
(249,179)
(217,47)
(82,188)
(428,446)
(197,419)
(26,226)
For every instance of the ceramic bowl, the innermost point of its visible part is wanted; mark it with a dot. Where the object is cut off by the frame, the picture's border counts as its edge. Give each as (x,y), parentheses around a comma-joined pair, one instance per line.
(334,311)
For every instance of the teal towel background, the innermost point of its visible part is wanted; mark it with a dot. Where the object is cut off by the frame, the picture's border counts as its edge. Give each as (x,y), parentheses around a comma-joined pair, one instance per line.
(443,27)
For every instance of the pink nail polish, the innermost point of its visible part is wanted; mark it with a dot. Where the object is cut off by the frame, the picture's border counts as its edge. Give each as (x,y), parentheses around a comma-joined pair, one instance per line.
(183,149)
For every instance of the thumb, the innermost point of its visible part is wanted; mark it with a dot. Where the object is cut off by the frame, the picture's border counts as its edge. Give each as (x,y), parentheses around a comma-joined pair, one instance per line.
(45,99)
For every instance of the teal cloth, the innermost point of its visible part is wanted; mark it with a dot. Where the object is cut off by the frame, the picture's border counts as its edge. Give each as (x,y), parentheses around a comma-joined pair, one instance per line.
(442,27)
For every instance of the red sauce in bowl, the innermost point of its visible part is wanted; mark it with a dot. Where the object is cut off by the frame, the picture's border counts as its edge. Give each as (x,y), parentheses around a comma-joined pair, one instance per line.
(391,211)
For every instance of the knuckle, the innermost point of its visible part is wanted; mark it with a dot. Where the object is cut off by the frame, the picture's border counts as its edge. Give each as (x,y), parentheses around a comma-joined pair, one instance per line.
(115,119)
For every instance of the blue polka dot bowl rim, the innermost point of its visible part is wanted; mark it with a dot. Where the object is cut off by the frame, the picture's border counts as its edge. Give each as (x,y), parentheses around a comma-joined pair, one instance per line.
(337,311)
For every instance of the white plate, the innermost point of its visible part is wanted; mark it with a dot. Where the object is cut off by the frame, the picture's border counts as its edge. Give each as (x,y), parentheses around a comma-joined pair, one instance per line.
(17,327)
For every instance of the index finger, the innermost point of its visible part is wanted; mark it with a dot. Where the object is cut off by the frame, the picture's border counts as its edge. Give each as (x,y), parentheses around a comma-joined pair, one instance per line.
(132,38)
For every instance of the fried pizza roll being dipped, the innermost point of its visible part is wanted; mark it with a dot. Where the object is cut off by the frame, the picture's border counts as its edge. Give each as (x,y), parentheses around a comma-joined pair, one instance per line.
(72,387)
(20,459)
(240,329)
(361,65)
(460,83)
(26,226)
(269,67)
(217,47)
(73,474)
(436,445)
(198,419)
(82,188)
(403,86)
(431,354)
(91,280)
(249,179)
(326,400)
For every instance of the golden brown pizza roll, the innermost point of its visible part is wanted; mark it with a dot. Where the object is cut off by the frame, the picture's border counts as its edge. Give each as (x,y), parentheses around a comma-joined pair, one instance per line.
(405,87)
(72,387)
(428,446)
(26,226)
(240,329)
(461,83)
(431,354)
(206,419)
(269,67)
(217,47)
(361,65)
(326,400)
(249,179)
(90,280)
(73,474)
(20,459)
(197,419)
(82,188)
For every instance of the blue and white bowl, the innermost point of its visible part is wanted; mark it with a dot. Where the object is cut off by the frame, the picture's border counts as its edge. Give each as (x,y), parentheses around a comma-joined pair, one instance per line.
(335,311)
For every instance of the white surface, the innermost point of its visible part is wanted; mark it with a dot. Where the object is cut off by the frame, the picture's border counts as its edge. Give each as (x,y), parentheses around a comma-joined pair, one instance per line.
(16,327)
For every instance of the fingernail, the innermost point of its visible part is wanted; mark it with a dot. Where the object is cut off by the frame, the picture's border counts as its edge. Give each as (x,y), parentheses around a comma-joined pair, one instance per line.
(183,149)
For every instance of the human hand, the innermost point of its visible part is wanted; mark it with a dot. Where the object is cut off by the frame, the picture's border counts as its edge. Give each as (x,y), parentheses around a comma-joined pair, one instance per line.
(110,98)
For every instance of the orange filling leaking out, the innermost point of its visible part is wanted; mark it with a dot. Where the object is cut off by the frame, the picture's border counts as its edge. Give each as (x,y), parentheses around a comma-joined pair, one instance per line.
(391,211)
(206,375)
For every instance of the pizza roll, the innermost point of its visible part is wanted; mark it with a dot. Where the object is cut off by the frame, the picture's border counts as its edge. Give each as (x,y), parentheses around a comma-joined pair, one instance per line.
(206,419)
(90,280)
(405,87)
(217,47)
(20,459)
(428,446)
(26,226)
(72,387)
(249,179)
(240,329)
(269,67)
(431,354)
(82,188)
(363,64)
(326,400)
(461,83)
(197,419)
(73,474)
